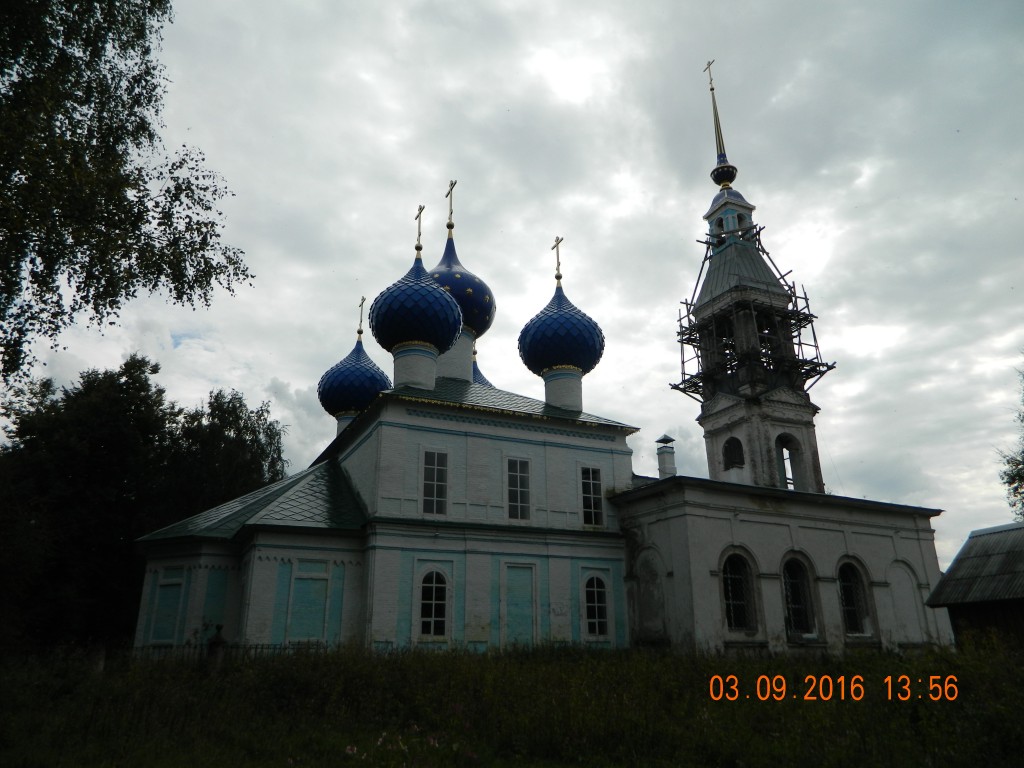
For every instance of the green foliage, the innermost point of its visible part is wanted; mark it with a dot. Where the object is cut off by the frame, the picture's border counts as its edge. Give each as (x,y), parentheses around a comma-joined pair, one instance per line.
(1012,474)
(548,706)
(90,469)
(92,210)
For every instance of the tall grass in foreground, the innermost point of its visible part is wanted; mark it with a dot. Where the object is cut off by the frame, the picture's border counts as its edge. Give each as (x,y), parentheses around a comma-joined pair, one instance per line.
(547,706)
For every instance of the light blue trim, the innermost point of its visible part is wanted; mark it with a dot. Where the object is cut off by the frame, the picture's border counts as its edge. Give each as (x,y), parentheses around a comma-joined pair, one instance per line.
(618,589)
(414,349)
(358,548)
(435,552)
(556,374)
(281,596)
(478,421)
(186,586)
(154,587)
(335,604)
(574,600)
(403,604)
(215,602)
(496,565)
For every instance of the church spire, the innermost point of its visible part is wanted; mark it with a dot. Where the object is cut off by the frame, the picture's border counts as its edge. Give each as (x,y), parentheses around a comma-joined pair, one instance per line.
(724,173)
(749,352)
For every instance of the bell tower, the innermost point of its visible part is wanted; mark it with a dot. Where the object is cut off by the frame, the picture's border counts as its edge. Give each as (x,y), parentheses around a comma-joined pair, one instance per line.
(748,349)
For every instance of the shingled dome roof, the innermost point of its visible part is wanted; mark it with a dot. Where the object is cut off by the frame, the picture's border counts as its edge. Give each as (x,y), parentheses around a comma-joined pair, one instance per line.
(561,335)
(415,309)
(352,383)
(473,295)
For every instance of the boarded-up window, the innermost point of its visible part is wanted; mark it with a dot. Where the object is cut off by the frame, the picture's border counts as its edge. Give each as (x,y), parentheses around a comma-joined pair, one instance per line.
(309,601)
(169,595)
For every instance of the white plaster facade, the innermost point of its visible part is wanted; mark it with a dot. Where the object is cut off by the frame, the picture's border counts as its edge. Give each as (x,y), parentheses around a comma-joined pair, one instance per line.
(681,530)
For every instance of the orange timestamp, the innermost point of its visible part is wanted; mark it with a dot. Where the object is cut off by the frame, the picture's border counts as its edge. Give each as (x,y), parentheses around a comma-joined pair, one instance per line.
(833,688)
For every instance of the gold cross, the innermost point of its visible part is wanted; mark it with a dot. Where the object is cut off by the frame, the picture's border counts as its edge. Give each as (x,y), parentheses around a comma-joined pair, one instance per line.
(708,70)
(361,302)
(451,198)
(558,257)
(419,225)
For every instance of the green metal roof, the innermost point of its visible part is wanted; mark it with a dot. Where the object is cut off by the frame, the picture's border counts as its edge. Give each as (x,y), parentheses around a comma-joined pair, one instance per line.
(472,396)
(738,264)
(320,497)
(990,566)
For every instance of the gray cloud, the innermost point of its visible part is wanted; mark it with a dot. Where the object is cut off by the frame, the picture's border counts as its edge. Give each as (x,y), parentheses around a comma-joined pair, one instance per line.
(881,152)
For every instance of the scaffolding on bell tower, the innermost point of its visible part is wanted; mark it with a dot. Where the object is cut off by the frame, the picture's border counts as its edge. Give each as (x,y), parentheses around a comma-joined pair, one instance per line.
(750,338)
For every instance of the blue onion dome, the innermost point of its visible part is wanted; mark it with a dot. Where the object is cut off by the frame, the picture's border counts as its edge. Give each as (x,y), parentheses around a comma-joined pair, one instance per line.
(353,383)
(416,310)
(478,376)
(473,295)
(561,335)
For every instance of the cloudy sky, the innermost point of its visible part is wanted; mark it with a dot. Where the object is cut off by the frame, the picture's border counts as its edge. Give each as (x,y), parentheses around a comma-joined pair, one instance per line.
(880,141)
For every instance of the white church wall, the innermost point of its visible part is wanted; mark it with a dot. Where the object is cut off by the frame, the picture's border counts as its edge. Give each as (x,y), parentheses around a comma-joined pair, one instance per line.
(478,449)
(544,575)
(185,596)
(303,588)
(698,525)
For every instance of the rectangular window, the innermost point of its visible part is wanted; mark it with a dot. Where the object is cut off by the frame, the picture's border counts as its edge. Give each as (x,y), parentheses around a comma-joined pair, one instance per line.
(593,512)
(518,489)
(435,482)
(596,598)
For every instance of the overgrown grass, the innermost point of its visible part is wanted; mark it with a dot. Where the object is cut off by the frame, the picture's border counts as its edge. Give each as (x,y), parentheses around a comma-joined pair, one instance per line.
(548,706)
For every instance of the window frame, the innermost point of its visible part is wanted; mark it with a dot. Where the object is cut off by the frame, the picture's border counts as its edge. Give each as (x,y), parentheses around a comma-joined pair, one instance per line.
(596,616)
(435,491)
(591,497)
(792,587)
(858,603)
(429,623)
(733,456)
(520,508)
(748,600)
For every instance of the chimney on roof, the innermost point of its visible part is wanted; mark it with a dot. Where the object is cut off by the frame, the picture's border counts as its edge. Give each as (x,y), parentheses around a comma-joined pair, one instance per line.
(666,457)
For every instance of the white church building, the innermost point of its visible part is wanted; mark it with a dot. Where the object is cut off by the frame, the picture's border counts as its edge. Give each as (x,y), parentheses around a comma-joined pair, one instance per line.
(449,513)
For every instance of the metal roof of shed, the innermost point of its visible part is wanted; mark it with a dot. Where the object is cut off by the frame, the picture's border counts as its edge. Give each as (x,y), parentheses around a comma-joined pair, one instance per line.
(989,567)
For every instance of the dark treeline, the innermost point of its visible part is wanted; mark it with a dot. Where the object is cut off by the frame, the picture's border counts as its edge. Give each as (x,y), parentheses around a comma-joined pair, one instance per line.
(90,468)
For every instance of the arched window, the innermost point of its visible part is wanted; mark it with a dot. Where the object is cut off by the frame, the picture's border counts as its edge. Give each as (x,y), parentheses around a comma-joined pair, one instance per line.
(787,457)
(796,584)
(853,599)
(738,594)
(732,453)
(433,604)
(596,600)
(719,224)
